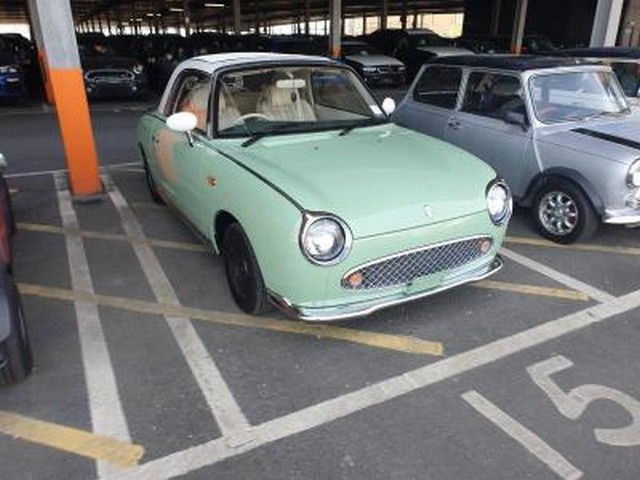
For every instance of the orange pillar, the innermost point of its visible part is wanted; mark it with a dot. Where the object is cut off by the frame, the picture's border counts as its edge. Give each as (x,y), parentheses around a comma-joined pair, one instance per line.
(58,50)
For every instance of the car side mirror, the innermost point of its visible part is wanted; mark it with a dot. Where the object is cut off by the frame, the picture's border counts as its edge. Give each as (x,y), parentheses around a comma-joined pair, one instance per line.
(183,122)
(388,105)
(515,118)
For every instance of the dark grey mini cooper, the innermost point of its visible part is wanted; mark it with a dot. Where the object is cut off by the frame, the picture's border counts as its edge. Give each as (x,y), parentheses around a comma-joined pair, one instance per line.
(560,131)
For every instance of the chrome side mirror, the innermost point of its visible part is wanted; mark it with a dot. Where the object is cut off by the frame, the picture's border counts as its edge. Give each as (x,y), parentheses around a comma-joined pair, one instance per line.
(183,122)
(388,105)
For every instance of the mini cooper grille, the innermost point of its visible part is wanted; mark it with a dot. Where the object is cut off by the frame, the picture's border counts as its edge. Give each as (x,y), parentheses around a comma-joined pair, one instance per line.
(110,75)
(404,268)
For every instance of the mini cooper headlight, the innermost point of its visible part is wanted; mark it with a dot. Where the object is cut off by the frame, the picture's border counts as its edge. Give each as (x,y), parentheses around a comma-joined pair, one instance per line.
(324,239)
(138,69)
(633,176)
(369,69)
(499,202)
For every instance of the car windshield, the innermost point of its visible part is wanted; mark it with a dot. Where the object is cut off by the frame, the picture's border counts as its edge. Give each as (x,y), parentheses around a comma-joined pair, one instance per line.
(419,41)
(576,96)
(293,99)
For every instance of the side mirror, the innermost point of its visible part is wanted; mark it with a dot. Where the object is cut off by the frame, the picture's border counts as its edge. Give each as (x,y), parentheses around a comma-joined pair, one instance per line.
(183,122)
(388,105)
(515,118)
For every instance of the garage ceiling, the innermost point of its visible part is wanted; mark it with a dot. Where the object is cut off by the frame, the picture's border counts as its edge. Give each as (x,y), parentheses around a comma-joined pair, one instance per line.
(15,11)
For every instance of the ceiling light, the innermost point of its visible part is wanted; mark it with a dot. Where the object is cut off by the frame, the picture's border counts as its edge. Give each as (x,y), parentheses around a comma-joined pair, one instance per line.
(214,5)
(175,9)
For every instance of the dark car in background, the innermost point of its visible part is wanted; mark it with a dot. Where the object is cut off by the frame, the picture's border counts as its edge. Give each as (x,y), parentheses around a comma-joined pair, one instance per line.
(409,46)
(373,66)
(13,79)
(108,73)
(531,44)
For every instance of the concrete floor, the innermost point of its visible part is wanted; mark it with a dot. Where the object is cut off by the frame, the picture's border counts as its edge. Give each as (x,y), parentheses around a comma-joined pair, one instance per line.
(122,373)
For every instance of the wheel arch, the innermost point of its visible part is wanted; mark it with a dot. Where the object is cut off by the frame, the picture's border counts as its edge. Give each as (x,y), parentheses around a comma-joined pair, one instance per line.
(221,222)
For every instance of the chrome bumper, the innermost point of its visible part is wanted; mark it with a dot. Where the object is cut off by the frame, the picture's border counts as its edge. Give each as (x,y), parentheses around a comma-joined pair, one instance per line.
(350,310)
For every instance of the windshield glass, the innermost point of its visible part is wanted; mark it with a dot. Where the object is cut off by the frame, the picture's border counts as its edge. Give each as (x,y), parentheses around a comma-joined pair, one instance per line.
(293,99)
(418,41)
(575,96)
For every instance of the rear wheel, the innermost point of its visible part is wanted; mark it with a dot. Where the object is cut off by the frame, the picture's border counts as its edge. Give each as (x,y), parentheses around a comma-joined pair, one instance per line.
(15,351)
(563,213)
(243,272)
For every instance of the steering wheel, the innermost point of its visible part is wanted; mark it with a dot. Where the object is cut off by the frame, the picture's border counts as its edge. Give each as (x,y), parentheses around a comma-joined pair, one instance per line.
(247,116)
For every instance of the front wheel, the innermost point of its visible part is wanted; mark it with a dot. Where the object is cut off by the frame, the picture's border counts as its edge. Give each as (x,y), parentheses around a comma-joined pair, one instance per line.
(563,213)
(243,272)
(15,350)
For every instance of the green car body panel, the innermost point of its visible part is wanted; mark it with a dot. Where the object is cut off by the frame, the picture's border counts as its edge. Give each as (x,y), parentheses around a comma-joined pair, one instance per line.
(379,180)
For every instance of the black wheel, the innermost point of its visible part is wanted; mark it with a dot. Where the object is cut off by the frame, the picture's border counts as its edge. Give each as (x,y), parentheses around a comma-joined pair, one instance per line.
(7,209)
(15,351)
(151,185)
(243,272)
(563,213)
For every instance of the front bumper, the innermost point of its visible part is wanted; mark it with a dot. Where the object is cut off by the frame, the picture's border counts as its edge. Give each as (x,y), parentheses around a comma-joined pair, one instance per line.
(350,310)
(630,215)
(12,85)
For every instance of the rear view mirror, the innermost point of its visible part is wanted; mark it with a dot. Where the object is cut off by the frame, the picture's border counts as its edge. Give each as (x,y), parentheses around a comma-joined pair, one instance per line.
(291,83)
(182,122)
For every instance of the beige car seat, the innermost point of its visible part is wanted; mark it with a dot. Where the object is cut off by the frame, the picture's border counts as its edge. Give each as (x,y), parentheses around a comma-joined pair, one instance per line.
(228,114)
(285,105)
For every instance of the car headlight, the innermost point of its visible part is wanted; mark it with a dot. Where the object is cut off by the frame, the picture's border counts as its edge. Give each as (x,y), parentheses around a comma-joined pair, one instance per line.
(8,69)
(138,69)
(369,69)
(633,175)
(324,238)
(402,68)
(499,202)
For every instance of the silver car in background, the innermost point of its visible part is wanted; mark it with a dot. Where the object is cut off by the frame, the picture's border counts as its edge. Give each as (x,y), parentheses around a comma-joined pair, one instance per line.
(559,130)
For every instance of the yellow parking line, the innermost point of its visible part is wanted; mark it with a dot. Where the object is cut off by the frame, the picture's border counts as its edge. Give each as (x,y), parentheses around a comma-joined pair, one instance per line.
(400,343)
(70,440)
(533,290)
(539,242)
(118,237)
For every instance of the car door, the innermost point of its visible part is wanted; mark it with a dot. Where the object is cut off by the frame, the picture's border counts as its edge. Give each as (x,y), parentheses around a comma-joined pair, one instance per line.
(493,124)
(431,101)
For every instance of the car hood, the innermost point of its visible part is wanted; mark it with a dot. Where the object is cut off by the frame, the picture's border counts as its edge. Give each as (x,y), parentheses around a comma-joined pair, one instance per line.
(93,63)
(374,60)
(377,179)
(616,139)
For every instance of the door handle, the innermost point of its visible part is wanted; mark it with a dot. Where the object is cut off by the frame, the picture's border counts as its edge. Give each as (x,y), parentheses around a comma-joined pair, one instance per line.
(453,124)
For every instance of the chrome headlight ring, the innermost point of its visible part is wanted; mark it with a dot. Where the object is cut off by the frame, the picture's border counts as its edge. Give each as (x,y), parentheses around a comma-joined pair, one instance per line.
(138,69)
(324,238)
(499,202)
(633,175)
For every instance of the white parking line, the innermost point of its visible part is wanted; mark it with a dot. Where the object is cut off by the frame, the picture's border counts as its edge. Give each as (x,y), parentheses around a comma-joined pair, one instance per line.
(41,173)
(573,283)
(107,414)
(325,412)
(521,434)
(223,405)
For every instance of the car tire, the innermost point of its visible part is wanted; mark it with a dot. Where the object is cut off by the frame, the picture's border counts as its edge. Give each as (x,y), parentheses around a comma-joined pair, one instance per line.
(16,349)
(243,272)
(563,213)
(151,185)
(7,209)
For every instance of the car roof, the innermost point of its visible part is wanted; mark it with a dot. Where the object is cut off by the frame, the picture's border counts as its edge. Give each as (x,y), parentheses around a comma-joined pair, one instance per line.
(518,63)
(231,59)
(603,52)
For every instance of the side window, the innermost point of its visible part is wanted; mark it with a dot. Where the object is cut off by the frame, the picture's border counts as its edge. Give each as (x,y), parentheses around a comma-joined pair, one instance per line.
(629,77)
(439,86)
(192,95)
(493,95)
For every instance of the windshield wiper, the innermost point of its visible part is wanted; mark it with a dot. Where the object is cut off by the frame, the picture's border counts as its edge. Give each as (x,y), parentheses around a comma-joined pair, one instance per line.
(369,122)
(257,136)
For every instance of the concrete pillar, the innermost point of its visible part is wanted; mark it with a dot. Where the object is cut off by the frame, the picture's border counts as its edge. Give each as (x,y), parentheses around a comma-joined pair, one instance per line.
(606,23)
(518,26)
(335,31)
(364,22)
(53,24)
(306,17)
(237,17)
(187,17)
(495,16)
(385,14)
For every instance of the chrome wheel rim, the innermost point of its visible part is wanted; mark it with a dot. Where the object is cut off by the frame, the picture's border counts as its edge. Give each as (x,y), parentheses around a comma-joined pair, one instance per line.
(558,213)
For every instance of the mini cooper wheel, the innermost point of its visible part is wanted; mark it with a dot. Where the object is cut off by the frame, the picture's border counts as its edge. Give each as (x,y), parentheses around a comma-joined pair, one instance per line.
(151,185)
(15,351)
(243,272)
(563,213)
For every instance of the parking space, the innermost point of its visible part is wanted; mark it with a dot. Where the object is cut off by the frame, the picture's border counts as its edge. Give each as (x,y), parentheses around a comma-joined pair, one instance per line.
(145,368)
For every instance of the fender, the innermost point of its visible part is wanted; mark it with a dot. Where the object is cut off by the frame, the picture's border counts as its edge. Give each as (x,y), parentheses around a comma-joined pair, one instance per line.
(560,172)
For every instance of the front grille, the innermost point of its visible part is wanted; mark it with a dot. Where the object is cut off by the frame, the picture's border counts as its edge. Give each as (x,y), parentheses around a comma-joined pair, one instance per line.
(110,75)
(404,268)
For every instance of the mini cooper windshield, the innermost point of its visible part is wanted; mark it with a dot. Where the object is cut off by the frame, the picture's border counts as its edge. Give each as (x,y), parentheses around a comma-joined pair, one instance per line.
(269,101)
(576,96)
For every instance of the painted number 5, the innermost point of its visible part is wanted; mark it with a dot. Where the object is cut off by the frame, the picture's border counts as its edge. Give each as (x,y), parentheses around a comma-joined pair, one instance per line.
(573,403)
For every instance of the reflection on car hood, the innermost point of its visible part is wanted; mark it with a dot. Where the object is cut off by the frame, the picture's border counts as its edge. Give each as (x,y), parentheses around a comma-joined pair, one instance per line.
(378,179)
(98,62)
(374,60)
(445,51)
(614,138)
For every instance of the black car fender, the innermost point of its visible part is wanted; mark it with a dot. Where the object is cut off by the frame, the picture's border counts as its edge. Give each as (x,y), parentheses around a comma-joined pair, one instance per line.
(8,305)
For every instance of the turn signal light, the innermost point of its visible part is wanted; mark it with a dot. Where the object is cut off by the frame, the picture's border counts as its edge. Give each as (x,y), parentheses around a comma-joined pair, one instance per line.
(485,245)
(355,279)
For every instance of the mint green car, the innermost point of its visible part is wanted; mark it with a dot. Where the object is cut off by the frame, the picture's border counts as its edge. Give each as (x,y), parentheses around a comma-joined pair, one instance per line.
(288,167)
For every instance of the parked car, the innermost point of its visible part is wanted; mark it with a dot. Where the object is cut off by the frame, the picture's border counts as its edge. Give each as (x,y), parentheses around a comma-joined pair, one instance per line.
(15,350)
(559,130)
(410,46)
(531,44)
(109,74)
(374,67)
(13,81)
(624,61)
(287,166)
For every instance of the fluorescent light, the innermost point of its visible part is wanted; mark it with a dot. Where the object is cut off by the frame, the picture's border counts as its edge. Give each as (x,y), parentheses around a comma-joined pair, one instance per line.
(214,5)
(175,9)
(150,14)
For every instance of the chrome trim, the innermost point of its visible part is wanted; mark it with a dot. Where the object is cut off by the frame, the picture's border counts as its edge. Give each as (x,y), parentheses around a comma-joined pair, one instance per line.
(623,220)
(309,218)
(499,181)
(634,166)
(341,312)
